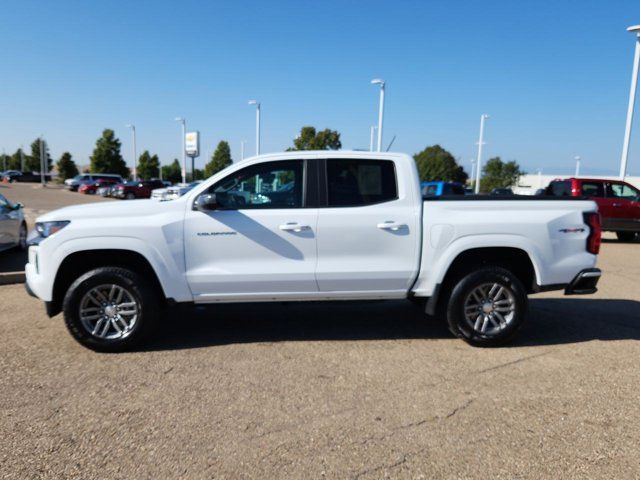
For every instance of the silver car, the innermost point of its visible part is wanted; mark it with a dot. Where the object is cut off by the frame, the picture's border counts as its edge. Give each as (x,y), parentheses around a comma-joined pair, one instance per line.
(13,227)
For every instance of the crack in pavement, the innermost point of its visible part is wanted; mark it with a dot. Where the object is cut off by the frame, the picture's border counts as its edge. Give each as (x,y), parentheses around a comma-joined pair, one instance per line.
(513,362)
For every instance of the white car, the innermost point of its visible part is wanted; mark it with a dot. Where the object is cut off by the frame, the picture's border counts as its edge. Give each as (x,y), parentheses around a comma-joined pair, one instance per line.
(174,191)
(309,226)
(13,227)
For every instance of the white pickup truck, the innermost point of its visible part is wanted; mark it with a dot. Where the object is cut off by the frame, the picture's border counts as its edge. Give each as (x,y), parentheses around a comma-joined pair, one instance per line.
(308,226)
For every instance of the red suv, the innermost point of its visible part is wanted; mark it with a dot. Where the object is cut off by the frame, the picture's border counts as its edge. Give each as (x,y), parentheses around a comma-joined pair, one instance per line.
(92,187)
(618,202)
(136,189)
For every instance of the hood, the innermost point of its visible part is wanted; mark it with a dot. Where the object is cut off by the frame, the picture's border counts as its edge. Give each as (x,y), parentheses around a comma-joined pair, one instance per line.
(120,209)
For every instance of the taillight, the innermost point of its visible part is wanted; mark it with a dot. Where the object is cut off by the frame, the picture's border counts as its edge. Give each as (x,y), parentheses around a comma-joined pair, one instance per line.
(595,232)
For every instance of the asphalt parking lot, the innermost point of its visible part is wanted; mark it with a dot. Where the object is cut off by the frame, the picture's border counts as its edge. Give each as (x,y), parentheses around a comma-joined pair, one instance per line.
(362,391)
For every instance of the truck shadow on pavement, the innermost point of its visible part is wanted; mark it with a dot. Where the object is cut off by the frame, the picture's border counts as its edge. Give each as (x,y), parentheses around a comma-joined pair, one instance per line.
(551,322)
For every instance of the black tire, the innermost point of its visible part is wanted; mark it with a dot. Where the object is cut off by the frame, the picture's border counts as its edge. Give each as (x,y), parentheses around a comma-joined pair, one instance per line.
(461,294)
(130,196)
(22,237)
(626,236)
(140,290)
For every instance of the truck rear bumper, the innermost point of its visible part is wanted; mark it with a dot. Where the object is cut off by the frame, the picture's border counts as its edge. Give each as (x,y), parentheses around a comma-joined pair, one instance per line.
(584,282)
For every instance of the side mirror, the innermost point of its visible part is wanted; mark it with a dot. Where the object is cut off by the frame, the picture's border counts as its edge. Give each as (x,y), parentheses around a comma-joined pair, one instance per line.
(206,202)
(18,206)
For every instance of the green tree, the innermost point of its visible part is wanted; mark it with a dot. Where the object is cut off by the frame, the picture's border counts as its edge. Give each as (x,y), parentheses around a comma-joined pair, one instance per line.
(435,163)
(220,159)
(106,157)
(14,162)
(32,162)
(66,167)
(172,172)
(198,175)
(148,166)
(499,174)
(309,139)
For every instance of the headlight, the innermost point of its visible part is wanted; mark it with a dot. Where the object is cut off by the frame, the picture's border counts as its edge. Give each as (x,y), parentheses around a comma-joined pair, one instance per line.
(46,229)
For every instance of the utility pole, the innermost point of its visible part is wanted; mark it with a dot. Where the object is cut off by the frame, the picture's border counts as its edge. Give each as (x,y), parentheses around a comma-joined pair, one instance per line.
(373,130)
(43,161)
(577,159)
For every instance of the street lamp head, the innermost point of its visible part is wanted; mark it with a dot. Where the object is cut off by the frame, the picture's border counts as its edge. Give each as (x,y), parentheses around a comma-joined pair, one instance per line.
(634,28)
(254,102)
(179,119)
(485,116)
(377,81)
(129,125)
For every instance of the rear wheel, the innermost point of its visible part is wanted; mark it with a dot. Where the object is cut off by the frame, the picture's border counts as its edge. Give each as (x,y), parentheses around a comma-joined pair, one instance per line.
(626,236)
(487,307)
(130,196)
(110,309)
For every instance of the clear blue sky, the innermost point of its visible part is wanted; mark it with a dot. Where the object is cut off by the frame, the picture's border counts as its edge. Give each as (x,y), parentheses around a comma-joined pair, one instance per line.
(553,75)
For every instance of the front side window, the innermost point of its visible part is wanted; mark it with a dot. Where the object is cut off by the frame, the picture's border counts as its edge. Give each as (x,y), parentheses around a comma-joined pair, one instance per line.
(266,185)
(620,190)
(430,190)
(355,182)
(593,189)
(4,203)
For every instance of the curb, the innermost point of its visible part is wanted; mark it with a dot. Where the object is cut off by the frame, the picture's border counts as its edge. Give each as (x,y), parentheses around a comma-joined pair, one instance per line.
(10,278)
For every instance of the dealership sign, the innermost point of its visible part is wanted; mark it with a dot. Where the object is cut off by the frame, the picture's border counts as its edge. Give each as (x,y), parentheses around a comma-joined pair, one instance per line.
(192,144)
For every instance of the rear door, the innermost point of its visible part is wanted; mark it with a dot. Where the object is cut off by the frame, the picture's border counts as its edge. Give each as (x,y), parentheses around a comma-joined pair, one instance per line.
(625,206)
(368,228)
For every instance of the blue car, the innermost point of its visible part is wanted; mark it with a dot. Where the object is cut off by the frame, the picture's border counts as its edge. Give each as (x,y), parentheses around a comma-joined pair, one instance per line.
(435,189)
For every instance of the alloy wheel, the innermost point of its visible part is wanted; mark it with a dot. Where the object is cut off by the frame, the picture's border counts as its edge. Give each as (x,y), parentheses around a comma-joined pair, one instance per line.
(489,308)
(109,312)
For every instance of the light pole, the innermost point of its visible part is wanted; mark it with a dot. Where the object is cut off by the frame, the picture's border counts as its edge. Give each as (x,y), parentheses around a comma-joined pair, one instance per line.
(371,137)
(377,81)
(257,104)
(577,159)
(473,171)
(135,158)
(632,99)
(483,117)
(184,153)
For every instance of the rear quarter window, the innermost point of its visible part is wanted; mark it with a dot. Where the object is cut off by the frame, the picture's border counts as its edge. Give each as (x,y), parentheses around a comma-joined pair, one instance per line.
(559,189)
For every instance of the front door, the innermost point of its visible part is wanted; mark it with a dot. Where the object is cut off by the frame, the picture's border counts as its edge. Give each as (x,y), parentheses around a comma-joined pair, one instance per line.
(368,230)
(260,241)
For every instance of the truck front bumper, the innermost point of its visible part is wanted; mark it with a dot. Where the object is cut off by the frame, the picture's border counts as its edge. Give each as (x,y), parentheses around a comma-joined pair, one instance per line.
(584,282)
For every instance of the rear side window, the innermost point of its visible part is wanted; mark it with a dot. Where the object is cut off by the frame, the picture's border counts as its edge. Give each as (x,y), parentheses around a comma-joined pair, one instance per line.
(593,189)
(559,189)
(355,182)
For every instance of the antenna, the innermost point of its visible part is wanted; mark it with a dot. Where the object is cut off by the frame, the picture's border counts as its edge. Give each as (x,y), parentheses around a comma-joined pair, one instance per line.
(391,143)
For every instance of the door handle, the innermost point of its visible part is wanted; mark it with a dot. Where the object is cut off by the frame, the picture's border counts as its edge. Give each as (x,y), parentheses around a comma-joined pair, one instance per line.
(391,225)
(294,227)
(617,204)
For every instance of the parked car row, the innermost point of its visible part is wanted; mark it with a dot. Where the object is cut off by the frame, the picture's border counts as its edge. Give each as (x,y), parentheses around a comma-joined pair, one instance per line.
(111,185)
(12,176)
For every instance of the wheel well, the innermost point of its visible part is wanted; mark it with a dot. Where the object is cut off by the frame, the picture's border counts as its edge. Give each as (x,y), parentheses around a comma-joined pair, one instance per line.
(513,259)
(81,262)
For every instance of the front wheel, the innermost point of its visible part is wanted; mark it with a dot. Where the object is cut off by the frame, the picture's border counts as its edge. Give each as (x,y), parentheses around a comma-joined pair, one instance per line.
(110,309)
(22,237)
(130,196)
(487,307)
